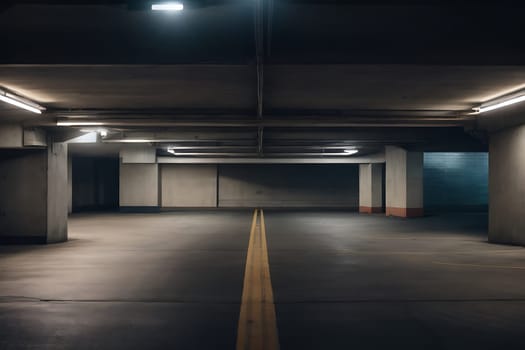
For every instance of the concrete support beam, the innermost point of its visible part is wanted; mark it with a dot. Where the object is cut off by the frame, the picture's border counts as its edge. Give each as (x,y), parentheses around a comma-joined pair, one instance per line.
(33,204)
(11,136)
(372,158)
(15,136)
(404,182)
(370,188)
(507,186)
(143,154)
(35,137)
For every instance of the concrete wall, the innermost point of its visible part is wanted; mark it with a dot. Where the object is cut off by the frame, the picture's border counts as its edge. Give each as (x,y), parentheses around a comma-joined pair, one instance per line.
(23,199)
(507,186)
(288,186)
(138,153)
(456,181)
(239,185)
(139,186)
(188,185)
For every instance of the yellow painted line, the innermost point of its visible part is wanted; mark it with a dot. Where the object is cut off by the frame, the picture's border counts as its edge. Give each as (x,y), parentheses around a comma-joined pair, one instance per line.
(257,328)
(482,266)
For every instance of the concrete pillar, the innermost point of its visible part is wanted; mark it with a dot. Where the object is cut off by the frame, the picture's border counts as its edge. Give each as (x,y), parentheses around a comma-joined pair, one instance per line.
(404,182)
(57,192)
(507,186)
(69,185)
(371,188)
(33,204)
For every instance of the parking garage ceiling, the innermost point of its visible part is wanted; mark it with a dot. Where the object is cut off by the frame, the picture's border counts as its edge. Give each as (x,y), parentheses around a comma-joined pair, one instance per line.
(410,70)
(357,32)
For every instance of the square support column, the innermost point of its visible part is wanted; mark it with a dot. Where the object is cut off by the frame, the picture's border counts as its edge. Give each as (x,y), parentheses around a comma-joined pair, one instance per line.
(34,200)
(57,192)
(370,188)
(404,182)
(507,186)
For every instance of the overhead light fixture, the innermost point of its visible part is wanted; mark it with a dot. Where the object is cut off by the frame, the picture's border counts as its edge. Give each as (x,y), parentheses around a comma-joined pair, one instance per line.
(168,6)
(490,106)
(21,102)
(170,150)
(78,123)
(132,140)
(349,152)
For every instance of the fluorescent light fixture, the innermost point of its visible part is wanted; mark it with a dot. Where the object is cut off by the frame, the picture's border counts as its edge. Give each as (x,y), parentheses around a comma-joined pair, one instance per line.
(21,102)
(168,6)
(491,107)
(79,123)
(134,140)
(126,140)
(346,152)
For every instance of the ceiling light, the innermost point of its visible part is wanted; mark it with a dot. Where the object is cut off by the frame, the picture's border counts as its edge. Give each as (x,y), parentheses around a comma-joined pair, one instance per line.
(79,123)
(133,140)
(168,6)
(170,150)
(21,102)
(349,152)
(492,106)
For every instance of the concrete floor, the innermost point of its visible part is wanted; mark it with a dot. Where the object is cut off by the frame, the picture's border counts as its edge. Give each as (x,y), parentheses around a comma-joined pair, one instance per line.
(340,280)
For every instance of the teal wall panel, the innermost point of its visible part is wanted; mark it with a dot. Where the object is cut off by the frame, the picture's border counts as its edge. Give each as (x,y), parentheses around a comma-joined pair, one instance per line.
(456,180)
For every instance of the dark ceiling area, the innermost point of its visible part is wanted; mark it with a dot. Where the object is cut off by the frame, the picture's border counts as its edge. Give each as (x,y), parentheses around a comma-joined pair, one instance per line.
(263,68)
(357,32)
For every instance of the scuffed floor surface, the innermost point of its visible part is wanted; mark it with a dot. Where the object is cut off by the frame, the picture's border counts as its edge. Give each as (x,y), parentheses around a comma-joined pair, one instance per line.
(340,281)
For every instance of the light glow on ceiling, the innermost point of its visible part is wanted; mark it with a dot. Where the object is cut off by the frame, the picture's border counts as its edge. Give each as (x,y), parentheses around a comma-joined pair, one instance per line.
(349,152)
(168,6)
(21,102)
(102,132)
(90,137)
(492,106)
